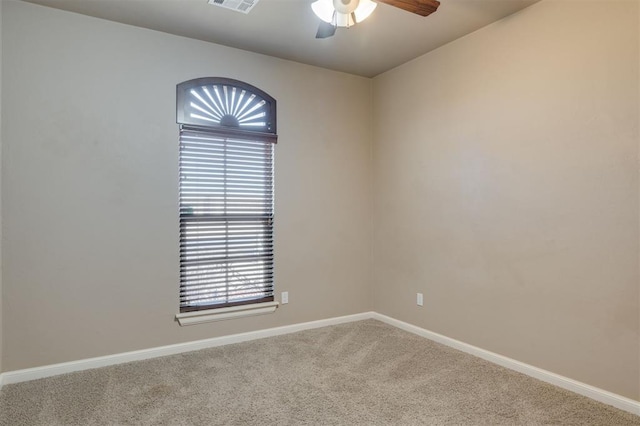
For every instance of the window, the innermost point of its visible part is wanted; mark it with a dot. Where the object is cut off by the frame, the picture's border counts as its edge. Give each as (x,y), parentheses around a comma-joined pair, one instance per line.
(227,138)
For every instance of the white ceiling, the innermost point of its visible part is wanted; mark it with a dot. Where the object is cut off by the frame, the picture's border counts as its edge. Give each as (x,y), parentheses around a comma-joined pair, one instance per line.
(286,28)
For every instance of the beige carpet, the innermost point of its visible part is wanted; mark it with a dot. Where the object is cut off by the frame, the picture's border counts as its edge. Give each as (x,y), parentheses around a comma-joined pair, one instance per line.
(363,373)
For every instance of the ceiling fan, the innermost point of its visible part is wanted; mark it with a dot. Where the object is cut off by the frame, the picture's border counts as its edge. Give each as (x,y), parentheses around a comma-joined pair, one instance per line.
(345,13)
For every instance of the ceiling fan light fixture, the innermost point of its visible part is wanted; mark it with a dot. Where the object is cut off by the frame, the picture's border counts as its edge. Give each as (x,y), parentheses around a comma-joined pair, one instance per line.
(364,9)
(344,11)
(323,9)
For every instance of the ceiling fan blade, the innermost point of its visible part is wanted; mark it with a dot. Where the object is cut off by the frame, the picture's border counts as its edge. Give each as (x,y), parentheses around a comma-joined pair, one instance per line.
(419,7)
(326,30)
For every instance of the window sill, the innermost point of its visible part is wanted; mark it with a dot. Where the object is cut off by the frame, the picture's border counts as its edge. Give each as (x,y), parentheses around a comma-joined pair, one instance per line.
(198,317)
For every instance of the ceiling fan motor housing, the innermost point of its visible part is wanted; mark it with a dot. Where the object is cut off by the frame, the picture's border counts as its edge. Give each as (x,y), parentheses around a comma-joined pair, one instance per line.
(345,6)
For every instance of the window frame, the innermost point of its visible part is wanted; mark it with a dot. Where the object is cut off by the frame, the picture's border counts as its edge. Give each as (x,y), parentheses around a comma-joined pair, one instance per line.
(182,116)
(258,132)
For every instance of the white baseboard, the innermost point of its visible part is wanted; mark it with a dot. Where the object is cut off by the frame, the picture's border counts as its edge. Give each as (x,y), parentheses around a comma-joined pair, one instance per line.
(538,373)
(580,388)
(104,361)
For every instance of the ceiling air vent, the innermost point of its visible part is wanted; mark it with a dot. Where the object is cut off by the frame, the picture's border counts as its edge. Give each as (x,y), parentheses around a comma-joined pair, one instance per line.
(243,6)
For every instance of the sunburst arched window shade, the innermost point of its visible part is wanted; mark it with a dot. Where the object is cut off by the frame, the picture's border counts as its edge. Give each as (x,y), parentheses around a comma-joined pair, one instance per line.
(227,135)
(223,102)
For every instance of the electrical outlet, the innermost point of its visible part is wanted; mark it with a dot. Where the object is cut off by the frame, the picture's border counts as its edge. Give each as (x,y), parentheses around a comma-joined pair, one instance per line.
(284,297)
(419,299)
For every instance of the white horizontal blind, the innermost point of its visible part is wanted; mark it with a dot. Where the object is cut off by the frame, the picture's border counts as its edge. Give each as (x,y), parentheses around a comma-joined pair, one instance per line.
(226,219)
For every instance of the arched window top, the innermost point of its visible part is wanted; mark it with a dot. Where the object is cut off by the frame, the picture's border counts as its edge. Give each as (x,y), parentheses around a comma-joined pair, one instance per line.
(226,103)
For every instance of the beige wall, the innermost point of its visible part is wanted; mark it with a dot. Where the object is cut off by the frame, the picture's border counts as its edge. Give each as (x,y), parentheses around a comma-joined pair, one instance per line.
(506,190)
(90,185)
(1,326)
